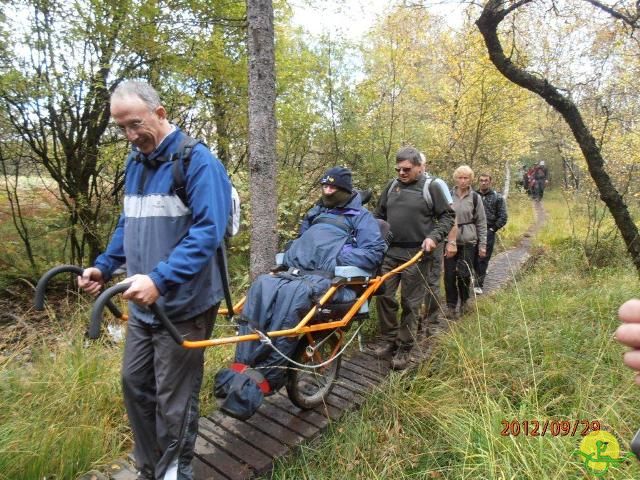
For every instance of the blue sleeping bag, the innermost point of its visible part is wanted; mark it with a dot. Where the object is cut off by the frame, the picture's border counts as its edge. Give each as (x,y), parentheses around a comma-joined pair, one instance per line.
(329,237)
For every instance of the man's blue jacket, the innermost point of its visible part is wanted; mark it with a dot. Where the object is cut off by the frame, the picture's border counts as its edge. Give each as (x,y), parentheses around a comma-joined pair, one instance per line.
(173,243)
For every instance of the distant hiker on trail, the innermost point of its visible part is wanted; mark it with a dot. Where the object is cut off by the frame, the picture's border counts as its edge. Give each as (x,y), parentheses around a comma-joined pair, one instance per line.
(539,179)
(495,209)
(472,230)
(629,334)
(169,249)
(415,224)
(530,181)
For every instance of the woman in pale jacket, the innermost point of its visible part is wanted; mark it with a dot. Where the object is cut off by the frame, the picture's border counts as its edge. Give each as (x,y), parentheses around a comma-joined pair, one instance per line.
(471,224)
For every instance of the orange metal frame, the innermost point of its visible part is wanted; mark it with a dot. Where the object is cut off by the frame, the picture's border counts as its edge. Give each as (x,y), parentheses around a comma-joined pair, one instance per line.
(303,327)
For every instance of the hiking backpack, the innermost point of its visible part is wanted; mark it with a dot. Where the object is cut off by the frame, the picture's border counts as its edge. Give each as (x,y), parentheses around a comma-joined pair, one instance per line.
(426,194)
(179,168)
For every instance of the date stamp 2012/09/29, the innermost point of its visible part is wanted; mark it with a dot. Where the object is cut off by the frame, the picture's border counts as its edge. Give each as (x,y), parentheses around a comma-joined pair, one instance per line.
(553,428)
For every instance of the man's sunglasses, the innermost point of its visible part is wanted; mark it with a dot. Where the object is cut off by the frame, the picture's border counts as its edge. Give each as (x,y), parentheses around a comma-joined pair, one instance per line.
(403,169)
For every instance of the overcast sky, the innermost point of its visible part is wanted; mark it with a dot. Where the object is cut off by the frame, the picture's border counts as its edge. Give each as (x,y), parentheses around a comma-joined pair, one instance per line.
(352,18)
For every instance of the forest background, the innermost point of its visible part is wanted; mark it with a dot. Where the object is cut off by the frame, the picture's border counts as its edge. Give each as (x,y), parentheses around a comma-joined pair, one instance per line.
(410,79)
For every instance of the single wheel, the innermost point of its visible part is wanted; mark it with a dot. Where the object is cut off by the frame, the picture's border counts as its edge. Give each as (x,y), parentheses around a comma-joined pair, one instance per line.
(308,387)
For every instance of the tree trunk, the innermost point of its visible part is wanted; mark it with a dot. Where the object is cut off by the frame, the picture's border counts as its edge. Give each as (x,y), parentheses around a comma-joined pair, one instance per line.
(262,136)
(492,14)
(507,180)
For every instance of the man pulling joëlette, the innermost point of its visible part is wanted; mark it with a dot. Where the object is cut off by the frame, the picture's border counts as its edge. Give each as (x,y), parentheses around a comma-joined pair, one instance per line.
(168,248)
(414,225)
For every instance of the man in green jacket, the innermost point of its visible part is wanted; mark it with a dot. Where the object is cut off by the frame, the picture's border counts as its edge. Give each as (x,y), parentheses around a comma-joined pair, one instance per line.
(415,224)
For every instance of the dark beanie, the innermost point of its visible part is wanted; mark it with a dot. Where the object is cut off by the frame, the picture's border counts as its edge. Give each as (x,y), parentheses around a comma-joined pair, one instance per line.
(339,177)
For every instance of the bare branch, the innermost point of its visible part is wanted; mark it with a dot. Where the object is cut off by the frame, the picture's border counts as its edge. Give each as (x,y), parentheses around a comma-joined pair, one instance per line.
(631,21)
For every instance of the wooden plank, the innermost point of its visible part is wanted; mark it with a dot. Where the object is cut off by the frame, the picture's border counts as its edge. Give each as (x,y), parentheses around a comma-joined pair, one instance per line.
(259,440)
(329,411)
(282,401)
(286,419)
(348,395)
(369,368)
(373,376)
(373,364)
(349,379)
(213,455)
(385,362)
(338,402)
(275,430)
(203,471)
(236,446)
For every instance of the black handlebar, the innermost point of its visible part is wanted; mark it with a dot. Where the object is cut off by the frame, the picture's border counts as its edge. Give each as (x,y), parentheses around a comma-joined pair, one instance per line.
(41,287)
(166,323)
(96,312)
(105,299)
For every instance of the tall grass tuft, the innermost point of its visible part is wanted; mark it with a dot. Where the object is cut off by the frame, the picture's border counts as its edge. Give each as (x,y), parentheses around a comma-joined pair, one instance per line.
(62,412)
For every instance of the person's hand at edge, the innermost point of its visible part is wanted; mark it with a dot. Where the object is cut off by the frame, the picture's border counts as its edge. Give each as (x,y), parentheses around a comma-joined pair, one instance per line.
(629,333)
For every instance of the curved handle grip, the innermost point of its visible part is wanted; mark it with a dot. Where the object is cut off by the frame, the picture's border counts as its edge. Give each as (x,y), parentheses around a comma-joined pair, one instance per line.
(41,287)
(96,312)
(105,299)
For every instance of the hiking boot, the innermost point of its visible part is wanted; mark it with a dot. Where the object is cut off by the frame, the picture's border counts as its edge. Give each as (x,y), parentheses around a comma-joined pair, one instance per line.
(450,312)
(384,350)
(145,474)
(400,360)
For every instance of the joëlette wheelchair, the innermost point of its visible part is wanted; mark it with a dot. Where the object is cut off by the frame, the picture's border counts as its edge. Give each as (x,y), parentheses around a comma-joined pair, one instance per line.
(313,368)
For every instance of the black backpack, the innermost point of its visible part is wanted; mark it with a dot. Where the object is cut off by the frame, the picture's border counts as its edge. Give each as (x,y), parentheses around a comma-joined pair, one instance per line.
(181,159)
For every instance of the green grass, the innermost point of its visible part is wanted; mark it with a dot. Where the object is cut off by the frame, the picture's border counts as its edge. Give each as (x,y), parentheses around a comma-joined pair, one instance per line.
(61,407)
(541,349)
(520,217)
(62,411)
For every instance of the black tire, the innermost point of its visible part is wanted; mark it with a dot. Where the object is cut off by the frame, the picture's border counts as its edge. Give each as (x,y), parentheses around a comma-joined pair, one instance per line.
(308,388)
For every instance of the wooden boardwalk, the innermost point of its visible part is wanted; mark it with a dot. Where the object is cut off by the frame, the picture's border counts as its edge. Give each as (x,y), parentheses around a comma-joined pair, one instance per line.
(232,449)
(227,448)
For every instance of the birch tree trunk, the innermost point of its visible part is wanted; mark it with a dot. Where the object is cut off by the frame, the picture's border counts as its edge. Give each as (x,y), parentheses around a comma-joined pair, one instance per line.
(262,135)
(507,180)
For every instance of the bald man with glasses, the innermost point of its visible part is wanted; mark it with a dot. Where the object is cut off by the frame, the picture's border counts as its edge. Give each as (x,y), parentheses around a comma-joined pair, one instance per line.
(415,225)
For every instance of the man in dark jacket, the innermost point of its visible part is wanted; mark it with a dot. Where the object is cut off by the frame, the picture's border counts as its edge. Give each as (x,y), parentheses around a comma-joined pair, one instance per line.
(415,225)
(169,249)
(495,209)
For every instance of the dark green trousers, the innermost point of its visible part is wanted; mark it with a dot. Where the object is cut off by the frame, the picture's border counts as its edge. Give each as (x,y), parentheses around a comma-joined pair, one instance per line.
(412,281)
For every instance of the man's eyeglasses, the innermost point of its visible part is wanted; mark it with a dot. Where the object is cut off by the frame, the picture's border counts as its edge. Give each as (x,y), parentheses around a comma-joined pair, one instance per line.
(133,126)
(403,169)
